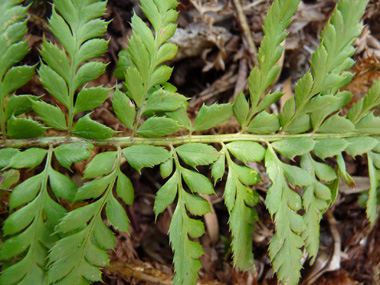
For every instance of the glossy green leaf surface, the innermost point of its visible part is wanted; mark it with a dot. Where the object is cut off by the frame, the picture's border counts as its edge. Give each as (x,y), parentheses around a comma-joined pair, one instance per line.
(90,129)
(195,154)
(101,164)
(210,116)
(51,115)
(124,108)
(24,128)
(158,127)
(140,156)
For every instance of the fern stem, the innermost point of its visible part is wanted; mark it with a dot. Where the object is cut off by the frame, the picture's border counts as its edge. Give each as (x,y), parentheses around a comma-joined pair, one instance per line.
(167,141)
(38,218)
(137,120)
(71,83)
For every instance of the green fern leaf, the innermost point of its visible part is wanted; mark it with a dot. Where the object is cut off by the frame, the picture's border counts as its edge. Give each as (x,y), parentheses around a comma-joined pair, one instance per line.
(368,124)
(24,128)
(334,104)
(183,227)
(294,147)
(195,154)
(166,168)
(336,47)
(329,147)
(197,182)
(264,123)
(246,151)
(19,104)
(239,200)
(330,60)
(283,203)
(6,154)
(124,108)
(163,100)
(140,156)
(90,129)
(336,124)
(13,49)
(186,252)
(166,195)
(343,172)
(143,62)
(373,166)
(241,108)
(51,115)
(90,98)
(275,23)
(210,116)
(78,256)
(30,225)
(124,189)
(17,77)
(29,158)
(54,84)
(62,186)
(68,154)
(77,26)
(101,164)
(360,145)
(364,105)
(219,167)
(158,127)
(316,200)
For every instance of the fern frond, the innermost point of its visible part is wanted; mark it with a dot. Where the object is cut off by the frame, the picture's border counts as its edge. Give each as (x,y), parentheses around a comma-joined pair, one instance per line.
(77,26)
(332,57)
(182,226)
(329,64)
(30,227)
(283,203)
(373,170)
(240,200)
(76,258)
(12,50)
(275,23)
(316,200)
(144,69)
(354,146)
(83,250)
(186,251)
(364,105)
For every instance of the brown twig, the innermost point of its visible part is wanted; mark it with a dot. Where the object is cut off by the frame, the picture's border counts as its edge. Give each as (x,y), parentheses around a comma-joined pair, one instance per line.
(246,31)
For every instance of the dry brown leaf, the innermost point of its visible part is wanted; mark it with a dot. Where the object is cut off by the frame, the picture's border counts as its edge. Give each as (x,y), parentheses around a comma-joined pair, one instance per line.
(211,221)
(287,89)
(367,72)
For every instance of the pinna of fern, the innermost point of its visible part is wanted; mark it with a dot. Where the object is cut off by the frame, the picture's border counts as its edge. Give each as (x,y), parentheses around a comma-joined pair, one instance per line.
(78,27)
(13,49)
(75,27)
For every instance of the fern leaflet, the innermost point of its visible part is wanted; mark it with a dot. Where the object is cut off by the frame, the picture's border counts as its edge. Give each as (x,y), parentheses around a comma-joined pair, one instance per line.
(13,49)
